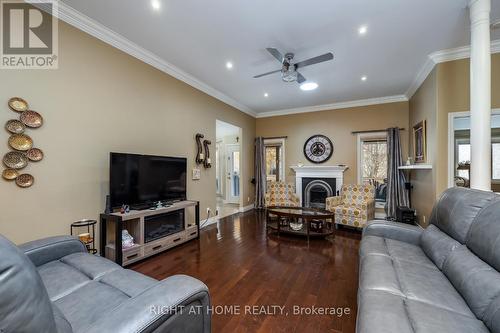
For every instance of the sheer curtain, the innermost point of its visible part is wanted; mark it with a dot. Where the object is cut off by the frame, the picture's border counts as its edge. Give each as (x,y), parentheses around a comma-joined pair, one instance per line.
(396,192)
(260,173)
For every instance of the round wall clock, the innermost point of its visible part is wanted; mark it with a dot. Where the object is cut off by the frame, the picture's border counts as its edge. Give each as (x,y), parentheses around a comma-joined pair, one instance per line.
(318,148)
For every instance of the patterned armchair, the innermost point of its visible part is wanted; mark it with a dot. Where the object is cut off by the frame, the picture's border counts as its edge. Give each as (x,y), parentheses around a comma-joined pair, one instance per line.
(281,194)
(355,206)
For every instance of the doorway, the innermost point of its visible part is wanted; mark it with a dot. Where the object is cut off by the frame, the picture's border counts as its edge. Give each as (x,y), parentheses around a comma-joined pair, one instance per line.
(228,168)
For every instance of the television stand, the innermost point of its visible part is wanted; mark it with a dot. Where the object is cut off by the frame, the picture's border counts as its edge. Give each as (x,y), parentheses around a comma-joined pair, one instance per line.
(154,231)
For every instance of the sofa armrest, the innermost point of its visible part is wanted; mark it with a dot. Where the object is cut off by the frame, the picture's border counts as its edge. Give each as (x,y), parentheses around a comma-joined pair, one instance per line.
(44,250)
(393,230)
(179,303)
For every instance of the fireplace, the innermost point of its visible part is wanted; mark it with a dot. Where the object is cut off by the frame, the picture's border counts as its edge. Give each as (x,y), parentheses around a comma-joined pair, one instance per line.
(314,183)
(316,190)
(162,225)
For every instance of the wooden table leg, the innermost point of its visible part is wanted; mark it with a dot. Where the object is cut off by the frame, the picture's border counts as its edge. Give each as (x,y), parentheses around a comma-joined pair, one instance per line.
(308,225)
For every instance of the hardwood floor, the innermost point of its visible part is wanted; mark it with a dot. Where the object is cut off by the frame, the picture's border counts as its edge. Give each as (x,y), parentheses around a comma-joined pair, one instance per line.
(243,267)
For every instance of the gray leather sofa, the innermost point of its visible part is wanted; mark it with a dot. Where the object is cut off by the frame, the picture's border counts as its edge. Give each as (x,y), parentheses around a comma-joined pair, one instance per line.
(53,285)
(441,279)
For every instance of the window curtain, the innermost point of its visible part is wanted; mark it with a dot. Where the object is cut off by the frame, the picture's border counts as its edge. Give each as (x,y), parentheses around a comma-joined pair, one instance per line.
(260,173)
(396,192)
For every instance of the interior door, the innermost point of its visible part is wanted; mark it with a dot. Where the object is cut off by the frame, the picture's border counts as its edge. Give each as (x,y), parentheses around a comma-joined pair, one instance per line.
(233,173)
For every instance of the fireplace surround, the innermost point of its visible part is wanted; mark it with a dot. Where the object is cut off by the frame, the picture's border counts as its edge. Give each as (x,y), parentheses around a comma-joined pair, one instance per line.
(321,181)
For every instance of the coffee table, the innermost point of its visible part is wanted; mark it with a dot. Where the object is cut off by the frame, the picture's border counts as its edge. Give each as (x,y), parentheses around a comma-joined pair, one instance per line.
(298,221)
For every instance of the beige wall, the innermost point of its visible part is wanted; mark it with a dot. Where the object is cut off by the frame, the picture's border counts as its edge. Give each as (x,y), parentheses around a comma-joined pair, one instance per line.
(423,106)
(337,125)
(448,88)
(102,100)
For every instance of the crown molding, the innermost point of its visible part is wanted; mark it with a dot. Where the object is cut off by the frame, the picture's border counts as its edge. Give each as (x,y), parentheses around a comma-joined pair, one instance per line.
(99,31)
(438,57)
(335,106)
(422,74)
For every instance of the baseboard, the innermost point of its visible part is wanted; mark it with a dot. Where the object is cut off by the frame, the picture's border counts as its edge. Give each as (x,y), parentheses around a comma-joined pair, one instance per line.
(246,208)
(211,220)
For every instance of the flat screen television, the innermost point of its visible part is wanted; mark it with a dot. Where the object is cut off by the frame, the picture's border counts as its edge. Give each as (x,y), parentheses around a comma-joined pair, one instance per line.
(140,180)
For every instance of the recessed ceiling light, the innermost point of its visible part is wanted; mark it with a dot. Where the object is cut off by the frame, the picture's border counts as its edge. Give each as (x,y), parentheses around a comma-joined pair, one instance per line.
(229,65)
(364,78)
(156,4)
(266,95)
(308,86)
(363,30)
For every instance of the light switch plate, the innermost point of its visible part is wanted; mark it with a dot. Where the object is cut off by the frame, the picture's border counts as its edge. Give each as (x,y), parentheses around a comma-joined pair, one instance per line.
(196,174)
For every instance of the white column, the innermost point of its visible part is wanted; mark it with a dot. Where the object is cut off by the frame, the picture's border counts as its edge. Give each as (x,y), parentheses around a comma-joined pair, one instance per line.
(480,94)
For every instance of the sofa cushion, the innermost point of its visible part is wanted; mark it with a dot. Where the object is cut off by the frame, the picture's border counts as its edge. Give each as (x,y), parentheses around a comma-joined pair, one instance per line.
(484,235)
(350,210)
(398,250)
(437,245)
(89,304)
(86,288)
(411,281)
(62,323)
(478,282)
(381,312)
(457,208)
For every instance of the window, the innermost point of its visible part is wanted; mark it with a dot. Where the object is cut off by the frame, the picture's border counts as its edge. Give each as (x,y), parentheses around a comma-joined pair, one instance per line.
(495,160)
(463,158)
(372,162)
(275,157)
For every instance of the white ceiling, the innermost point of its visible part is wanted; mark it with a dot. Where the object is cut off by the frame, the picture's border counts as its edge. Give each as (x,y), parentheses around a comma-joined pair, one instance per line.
(199,37)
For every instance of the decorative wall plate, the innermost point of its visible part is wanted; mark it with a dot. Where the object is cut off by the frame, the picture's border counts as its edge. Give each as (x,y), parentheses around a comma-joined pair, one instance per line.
(18,104)
(31,119)
(34,154)
(15,126)
(15,160)
(20,142)
(10,174)
(25,180)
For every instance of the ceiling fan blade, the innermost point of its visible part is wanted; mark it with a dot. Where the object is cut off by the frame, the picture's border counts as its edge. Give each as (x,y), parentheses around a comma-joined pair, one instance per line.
(315,60)
(275,53)
(300,78)
(268,73)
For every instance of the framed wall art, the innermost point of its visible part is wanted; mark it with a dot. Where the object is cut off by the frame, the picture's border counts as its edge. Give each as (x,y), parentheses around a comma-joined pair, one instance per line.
(420,142)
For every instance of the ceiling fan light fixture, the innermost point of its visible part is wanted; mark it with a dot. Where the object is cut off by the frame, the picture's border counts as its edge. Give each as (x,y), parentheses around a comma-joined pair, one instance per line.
(289,75)
(308,86)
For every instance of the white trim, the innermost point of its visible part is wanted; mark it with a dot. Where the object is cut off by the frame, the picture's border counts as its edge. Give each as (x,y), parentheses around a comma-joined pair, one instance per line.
(451,142)
(335,106)
(318,171)
(438,57)
(246,208)
(94,28)
(423,73)
(359,139)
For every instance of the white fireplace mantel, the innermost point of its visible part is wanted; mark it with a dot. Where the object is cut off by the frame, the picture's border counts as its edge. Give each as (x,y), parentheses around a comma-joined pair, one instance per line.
(318,171)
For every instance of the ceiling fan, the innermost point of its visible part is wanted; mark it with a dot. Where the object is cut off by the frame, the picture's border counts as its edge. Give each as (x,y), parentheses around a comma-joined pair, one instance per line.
(289,69)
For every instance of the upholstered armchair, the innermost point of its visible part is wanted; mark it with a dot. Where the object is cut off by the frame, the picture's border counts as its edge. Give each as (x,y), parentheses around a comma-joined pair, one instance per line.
(355,206)
(281,194)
